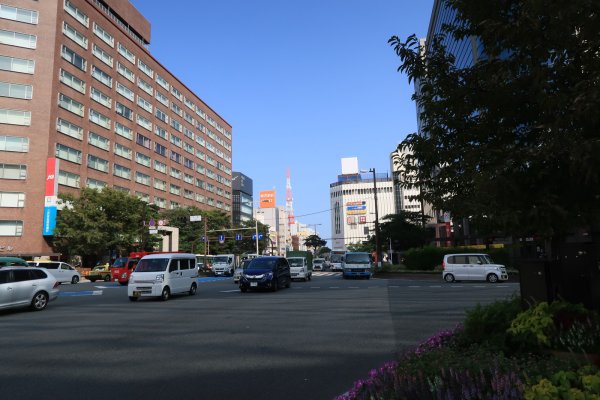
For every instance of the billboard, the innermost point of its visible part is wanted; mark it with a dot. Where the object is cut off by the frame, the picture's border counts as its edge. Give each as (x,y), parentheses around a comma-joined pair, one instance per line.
(267,199)
(356,208)
(50,198)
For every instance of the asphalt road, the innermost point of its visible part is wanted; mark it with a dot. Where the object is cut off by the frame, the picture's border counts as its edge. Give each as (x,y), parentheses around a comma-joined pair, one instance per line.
(311,341)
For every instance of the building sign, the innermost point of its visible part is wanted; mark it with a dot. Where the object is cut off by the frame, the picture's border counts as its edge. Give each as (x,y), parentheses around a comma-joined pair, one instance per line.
(356,207)
(267,199)
(50,198)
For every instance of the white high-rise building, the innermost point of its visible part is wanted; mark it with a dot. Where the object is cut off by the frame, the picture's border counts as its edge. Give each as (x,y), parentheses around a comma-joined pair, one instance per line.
(353,203)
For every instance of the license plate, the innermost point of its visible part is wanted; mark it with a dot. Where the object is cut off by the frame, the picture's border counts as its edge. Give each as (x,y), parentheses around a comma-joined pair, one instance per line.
(253,284)
(136,293)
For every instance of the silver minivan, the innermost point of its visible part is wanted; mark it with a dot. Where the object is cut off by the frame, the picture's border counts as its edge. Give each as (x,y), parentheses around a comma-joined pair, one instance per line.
(472,267)
(161,275)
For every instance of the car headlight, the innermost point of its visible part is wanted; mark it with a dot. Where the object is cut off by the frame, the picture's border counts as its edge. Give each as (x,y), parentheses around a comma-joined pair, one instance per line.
(160,278)
(269,275)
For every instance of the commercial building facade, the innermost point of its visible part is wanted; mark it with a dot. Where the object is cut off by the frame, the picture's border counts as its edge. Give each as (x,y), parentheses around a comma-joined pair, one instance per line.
(242,206)
(84,104)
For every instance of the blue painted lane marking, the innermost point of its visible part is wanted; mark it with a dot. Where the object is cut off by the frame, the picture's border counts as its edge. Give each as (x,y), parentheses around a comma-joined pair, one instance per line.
(81,294)
(213,279)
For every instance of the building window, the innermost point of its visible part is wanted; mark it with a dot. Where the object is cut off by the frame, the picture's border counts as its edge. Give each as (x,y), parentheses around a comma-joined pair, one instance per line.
(99,119)
(13,171)
(188,194)
(102,76)
(144,104)
(74,35)
(77,13)
(95,184)
(18,39)
(188,148)
(18,14)
(175,173)
(103,55)
(162,98)
(160,132)
(129,56)
(123,151)
(124,111)
(175,157)
(72,81)
(145,86)
(126,72)
(124,131)
(11,228)
(69,129)
(121,171)
(15,144)
(70,105)
(160,202)
(176,140)
(100,97)
(142,159)
(16,90)
(175,124)
(73,58)
(162,82)
(160,149)
(98,141)
(178,110)
(145,68)
(125,91)
(187,178)
(188,163)
(143,140)
(176,93)
(143,196)
(188,133)
(161,115)
(174,189)
(144,122)
(97,163)
(68,153)
(15,117)
(142,179)
(69,179)
(160,184)
(17,65)
(104,35)
(160,167)
(12,199)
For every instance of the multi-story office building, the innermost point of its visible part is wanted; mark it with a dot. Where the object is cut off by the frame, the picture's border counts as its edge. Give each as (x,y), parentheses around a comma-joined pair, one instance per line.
(83,103)
(404,199)
(352,199)
(242,198)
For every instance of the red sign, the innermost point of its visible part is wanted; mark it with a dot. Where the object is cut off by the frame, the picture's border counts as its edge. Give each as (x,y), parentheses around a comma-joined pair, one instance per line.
(51,175)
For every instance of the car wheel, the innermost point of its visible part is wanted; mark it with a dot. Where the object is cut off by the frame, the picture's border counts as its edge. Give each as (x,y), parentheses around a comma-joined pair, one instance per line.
(274,285)
(132,298)
(309,277)
(193,289)
(92,280)
(288,283)
(166,294)
(368,276)
(243,289)
(106,278)
(492,278)
(449,278)
(39,301)
(75,279)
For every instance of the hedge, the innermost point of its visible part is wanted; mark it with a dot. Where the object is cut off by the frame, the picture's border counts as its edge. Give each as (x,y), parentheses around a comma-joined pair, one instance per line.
(428,258)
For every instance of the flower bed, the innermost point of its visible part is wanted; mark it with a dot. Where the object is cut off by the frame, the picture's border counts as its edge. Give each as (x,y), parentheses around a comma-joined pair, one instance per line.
(515,362)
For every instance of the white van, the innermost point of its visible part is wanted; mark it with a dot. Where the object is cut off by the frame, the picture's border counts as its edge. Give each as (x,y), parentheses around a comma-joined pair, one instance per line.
(472,267)
(161,275)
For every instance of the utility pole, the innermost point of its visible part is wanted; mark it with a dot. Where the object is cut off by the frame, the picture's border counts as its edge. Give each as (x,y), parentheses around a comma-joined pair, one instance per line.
(377,243)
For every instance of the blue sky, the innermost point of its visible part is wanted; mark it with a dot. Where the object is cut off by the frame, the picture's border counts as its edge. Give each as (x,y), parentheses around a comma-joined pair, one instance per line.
(303,84)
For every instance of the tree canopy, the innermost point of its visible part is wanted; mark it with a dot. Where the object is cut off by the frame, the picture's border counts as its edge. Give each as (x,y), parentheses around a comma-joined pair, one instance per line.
(314,241)
(100,222)
(511,142)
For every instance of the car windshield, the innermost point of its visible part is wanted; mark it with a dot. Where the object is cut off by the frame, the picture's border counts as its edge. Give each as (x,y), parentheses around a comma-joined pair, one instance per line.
(361,258)
(336,258)
(262,263)
(318,261)
(295,262)
(152,265)
(221,260)
(120,262)
(488,259)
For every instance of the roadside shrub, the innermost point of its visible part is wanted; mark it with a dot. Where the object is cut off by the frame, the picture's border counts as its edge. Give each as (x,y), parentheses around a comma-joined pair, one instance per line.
(487,325)
(568,385)
(425,259)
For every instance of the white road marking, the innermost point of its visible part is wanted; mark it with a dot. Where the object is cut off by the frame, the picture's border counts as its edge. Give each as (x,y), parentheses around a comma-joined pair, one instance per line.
(230,291)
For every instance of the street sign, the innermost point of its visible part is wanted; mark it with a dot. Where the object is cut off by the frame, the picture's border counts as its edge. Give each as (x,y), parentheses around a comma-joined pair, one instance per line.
(238,236)
(221,238)
(260,236)
(204,238)
(195,218)
(253,236)
(153,231)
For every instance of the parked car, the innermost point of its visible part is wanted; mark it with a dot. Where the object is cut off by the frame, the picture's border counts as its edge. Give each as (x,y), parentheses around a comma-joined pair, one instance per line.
(270,272)
(318,264)
(161,275)
(240,270)
(12,261)
(22,286)
(62,271)
(472,267)
(99,273)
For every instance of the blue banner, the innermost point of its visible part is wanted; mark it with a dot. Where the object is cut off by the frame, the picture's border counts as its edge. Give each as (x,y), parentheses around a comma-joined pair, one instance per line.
(49,221)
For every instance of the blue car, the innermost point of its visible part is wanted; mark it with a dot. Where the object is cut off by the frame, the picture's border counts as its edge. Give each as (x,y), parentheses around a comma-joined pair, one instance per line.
(266,273)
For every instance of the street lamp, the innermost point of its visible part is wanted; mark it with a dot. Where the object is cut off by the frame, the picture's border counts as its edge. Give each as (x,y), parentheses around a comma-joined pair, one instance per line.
(315,227)
(377,244)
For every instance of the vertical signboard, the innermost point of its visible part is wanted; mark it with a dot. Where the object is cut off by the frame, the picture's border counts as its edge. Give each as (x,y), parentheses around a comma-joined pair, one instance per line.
(50,198)
(267,199)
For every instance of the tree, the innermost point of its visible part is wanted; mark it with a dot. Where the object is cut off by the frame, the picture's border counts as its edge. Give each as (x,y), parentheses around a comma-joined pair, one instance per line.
(405,230)
(366,246)
(315,242)
(510,142)
(99,222)
(324,250)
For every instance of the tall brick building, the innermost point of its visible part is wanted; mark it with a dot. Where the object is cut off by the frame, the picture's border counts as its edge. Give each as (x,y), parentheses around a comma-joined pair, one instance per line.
(84,104)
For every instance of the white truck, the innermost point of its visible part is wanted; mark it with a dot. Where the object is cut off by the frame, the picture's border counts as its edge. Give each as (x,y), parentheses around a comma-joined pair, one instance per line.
(299,268)
(224,264)
(357,264)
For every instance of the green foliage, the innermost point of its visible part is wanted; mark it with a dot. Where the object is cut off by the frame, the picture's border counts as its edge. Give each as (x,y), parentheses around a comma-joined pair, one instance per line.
(405,231)
(430,257)
(487,326)
(314,241)
(582,384)
(323,250)
(99,222)
(358,246)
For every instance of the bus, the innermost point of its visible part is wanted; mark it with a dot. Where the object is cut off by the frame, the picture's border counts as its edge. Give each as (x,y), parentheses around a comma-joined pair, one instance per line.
(335,260)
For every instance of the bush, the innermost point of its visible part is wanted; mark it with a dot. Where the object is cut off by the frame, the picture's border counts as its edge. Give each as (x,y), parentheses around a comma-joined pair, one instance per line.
(568,385)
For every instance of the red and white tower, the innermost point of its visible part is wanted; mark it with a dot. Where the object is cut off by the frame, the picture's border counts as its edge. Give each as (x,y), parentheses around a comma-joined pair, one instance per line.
(289,199)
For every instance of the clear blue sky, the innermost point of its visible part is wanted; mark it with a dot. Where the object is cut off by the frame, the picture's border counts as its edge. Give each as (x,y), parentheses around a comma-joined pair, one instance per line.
(303,83)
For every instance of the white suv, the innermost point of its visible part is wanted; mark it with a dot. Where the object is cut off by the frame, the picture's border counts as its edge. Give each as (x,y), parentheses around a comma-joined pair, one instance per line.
(472,267)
